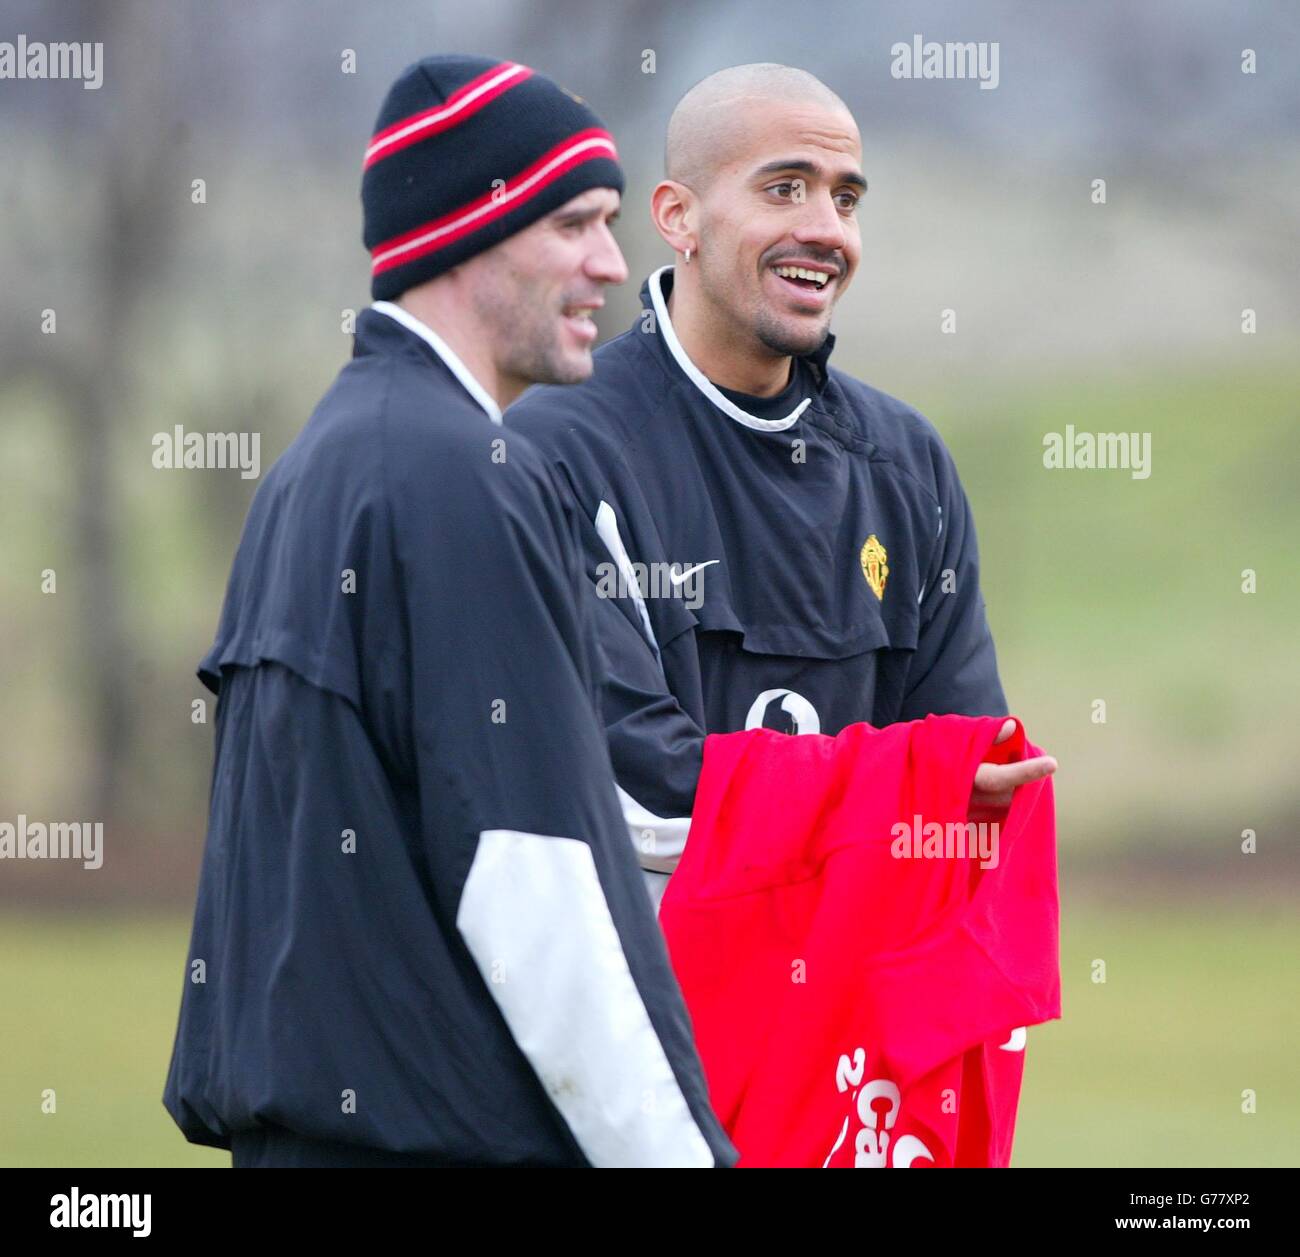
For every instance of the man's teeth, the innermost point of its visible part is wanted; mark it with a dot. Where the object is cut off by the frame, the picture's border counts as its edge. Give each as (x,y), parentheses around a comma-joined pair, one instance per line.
(798,272)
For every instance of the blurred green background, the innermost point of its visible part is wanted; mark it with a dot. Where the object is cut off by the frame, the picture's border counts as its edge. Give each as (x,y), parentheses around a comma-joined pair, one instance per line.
(1147,1069)
(228,314)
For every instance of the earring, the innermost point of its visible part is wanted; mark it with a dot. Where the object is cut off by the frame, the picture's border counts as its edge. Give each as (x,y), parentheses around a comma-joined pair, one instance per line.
(688,255)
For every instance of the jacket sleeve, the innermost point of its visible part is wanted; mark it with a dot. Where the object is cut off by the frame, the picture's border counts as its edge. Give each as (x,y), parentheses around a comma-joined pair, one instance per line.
(528,852)
(954,669)
(655,746)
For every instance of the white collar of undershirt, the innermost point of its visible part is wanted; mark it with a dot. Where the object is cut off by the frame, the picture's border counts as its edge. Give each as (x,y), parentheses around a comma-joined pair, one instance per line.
(445,352)
(700,380)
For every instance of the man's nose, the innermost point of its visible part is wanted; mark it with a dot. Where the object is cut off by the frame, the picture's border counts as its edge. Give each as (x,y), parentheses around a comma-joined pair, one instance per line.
(605,262)
(821,223)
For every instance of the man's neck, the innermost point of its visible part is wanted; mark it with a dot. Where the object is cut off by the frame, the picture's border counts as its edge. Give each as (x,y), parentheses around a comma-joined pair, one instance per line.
(453,321)
(728,362)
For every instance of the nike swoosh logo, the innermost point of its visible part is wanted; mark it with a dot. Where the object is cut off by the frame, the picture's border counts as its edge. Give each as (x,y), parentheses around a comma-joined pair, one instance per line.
(677,579)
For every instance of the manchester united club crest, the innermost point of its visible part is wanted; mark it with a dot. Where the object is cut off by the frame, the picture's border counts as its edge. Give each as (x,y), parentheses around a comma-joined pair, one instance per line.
(874,565)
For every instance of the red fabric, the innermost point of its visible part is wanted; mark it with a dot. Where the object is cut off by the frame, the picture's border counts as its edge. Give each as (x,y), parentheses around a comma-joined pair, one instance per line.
(851,1006)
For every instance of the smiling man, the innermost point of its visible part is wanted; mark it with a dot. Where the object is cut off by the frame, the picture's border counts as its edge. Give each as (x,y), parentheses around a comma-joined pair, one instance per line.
(421,938)
(822,523)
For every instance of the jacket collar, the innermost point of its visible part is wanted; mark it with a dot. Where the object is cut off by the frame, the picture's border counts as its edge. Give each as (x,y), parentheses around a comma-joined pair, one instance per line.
(654,295)
(441,349)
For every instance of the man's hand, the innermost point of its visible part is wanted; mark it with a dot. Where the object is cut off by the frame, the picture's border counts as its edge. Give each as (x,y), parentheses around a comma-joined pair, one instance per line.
(995,783)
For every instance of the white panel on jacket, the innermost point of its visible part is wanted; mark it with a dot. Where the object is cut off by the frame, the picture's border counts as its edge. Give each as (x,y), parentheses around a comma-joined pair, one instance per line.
(536,922)
(658,840)
(607,529)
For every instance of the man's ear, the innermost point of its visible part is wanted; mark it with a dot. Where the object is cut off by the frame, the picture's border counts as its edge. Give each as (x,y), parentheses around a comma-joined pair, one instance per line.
(673,212)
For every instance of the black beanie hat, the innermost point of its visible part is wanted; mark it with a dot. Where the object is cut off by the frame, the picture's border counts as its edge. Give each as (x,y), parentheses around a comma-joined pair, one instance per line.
(466,152)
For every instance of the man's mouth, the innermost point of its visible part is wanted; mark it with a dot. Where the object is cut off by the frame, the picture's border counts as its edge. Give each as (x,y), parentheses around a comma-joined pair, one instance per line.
(808,278)
(579,320)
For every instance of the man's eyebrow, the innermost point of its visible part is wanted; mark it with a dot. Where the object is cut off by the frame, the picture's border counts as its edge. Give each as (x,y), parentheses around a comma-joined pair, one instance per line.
(804,167)
(585,215)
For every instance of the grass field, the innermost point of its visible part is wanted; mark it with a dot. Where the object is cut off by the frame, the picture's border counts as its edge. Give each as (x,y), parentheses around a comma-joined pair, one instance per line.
(1145,1070)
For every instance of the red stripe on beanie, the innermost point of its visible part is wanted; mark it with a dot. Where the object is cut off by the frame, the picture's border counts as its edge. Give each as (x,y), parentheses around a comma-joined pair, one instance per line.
(440,232)
(463,103)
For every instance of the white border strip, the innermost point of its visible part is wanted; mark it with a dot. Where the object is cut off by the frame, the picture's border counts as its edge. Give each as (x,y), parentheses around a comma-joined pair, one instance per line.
(445,352)
(701,382)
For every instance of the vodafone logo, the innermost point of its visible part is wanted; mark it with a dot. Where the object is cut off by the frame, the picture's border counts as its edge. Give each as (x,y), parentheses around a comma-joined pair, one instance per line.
(792,714)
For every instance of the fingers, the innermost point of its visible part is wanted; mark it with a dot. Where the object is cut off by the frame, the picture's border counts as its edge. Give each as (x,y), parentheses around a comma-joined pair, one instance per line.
(1000,779)
(1029,769)
(995,783)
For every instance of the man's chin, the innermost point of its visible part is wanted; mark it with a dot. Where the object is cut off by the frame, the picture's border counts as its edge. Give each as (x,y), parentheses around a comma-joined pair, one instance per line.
(794,338)
(557,368)
(571,368)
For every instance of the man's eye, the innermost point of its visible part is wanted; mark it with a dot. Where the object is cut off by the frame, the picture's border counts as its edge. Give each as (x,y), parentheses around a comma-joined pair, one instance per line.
(848,201)
(782,189)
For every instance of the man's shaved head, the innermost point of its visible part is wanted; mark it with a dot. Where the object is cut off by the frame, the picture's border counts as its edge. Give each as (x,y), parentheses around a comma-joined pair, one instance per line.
(764,179)
(705,125)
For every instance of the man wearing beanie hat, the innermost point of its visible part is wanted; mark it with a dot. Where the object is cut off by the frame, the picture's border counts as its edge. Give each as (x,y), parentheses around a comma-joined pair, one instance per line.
(472,157)
(421,937)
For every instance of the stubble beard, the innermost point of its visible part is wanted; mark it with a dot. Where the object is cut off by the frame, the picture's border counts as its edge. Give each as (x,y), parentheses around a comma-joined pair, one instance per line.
(527,334)
(785,340)
(769,329)
(535,355)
